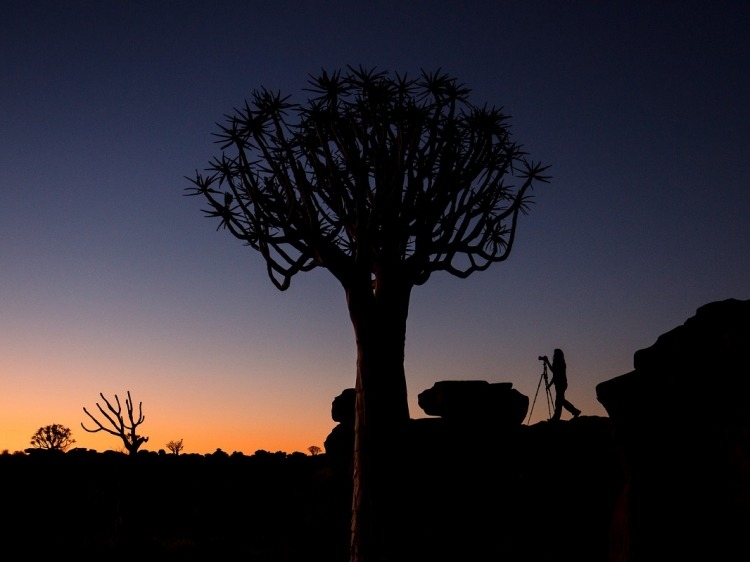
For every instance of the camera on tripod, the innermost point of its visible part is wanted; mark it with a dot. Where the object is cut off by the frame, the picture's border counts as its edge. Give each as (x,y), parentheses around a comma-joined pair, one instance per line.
(547,392)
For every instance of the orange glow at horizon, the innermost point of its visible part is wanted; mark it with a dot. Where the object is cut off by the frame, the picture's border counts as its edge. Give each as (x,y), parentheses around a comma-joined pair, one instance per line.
(203,439)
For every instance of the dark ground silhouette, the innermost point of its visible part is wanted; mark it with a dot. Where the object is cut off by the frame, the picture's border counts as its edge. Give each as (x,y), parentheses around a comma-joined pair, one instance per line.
(474,495)
(665,477)
(268,506)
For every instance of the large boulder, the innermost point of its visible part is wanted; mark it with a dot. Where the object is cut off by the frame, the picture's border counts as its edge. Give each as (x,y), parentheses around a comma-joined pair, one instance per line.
(681,421)
(339,443)
(475,401)
(342,407)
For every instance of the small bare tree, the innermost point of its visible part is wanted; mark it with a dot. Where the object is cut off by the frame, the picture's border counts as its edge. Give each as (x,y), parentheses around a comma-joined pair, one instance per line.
(125,431)
(175,447)
(54,437)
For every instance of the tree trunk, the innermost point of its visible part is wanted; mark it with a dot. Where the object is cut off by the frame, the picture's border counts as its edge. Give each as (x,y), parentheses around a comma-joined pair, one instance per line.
(381,414)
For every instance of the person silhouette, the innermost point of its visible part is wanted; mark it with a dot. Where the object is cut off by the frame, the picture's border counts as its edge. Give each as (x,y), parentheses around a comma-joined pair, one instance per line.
(560,380)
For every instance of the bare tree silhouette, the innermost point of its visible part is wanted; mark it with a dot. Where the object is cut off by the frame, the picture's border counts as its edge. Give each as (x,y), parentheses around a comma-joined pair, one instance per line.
(121,428)
(382,180)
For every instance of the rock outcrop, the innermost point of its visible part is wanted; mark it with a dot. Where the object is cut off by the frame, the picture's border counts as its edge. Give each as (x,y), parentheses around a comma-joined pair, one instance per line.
(681,422)
(473,406)
(481,485)
(666,476)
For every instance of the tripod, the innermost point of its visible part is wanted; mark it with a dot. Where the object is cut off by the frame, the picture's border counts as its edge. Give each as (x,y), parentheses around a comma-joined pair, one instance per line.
(547,393)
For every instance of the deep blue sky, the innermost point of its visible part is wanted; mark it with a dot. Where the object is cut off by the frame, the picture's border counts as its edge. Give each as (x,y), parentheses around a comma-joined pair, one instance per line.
(113,281)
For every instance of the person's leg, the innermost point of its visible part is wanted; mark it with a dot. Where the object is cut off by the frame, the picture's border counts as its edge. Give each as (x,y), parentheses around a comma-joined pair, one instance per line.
(572,409)
(559,401)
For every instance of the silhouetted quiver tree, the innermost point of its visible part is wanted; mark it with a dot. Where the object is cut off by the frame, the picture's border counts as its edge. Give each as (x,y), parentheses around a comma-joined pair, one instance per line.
(125,430)
(382,180)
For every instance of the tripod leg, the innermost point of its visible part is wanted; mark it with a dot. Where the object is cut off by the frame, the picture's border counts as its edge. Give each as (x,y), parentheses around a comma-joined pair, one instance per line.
(535,395)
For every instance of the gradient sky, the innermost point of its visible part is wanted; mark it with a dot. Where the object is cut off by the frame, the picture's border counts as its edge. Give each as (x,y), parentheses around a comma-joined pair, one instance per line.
(112,280)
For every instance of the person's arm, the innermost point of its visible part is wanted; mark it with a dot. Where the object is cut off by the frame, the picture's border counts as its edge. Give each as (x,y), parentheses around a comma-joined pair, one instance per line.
(552,379)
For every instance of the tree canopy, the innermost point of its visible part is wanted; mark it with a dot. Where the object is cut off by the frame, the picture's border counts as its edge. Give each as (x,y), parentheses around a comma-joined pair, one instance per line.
(53,437)
(408,165)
